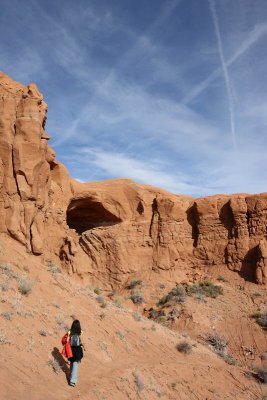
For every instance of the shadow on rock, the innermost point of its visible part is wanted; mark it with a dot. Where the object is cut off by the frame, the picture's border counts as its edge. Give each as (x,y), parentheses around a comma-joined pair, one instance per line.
(61,362)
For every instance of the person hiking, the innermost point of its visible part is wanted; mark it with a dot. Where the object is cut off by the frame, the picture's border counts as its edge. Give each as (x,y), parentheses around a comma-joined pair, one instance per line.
(73,349)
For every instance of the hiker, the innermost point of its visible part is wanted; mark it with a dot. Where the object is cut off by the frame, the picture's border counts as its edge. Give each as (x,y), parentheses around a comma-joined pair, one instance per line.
(73,349)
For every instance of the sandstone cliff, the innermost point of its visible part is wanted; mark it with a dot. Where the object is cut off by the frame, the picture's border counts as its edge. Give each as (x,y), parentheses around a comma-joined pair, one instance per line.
(114,229)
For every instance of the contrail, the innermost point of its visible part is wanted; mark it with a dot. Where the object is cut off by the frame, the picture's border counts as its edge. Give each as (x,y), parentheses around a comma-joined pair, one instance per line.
(259,31)
(225,71)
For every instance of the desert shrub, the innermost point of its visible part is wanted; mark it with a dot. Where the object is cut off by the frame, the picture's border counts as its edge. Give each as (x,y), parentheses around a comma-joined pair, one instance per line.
(184,347)
(136,316)
(53,268)
(134,283)
(55,365)
(218,342)
(120,334)
(8,271)
(260,373)
(7,315)
(177,294)
(261,319)
(42,332)
(138,381)
(3,338)
(100,299)
(60,321)
(112,293)
(118,303)
(4,286)
(227,358)
(137,297)
(205,288)
(25,286)
(97,290)
(219,345)
(221,278)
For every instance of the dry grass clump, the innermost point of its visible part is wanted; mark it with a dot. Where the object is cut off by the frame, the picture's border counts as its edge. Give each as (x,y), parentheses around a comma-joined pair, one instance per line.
(25,286)
(60,321)
(7,315)
(8,271)
(118,302)
(184,347)
(100,299)
(4,286)
(136,316)
(3,338)
(206,289)
(120,335)
(42,332)
(53,268)
(217,342)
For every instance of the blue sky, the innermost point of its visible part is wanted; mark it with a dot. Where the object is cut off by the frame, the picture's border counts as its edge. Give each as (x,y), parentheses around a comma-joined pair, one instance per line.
(172,93)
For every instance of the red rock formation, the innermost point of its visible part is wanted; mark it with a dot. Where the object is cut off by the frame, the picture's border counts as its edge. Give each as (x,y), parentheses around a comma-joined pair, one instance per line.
(114,229)
(26,163)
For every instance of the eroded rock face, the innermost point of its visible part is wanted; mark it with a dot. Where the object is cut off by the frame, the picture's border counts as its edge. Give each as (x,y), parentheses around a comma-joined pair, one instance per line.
(153,230)
(112,230)
(25,165)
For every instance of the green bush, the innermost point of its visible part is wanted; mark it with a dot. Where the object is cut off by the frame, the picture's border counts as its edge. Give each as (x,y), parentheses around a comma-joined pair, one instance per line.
(177,294)
(163,320)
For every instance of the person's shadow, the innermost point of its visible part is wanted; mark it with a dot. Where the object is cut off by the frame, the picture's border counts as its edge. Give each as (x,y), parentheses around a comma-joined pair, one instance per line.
(61,362)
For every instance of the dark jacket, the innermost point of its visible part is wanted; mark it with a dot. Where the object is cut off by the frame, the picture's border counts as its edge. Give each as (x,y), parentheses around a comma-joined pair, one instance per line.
(77,353)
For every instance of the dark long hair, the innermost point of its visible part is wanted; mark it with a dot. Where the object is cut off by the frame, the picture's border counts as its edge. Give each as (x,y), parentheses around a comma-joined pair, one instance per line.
(76,328)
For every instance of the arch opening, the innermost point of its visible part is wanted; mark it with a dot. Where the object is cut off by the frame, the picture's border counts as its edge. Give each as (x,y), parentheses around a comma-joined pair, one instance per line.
(85,214)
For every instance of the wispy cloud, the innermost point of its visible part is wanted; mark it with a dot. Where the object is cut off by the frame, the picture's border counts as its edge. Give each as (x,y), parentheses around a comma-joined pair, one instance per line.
(124,166)
(225,70)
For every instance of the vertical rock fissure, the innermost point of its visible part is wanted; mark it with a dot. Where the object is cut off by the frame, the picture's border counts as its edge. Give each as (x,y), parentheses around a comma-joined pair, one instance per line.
(13,167)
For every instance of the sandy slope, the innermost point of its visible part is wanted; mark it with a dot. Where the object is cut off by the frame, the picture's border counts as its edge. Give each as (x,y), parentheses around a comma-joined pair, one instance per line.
(124,358)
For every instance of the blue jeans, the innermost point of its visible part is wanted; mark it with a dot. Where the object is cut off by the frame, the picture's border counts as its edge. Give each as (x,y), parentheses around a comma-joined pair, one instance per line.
(74,372)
